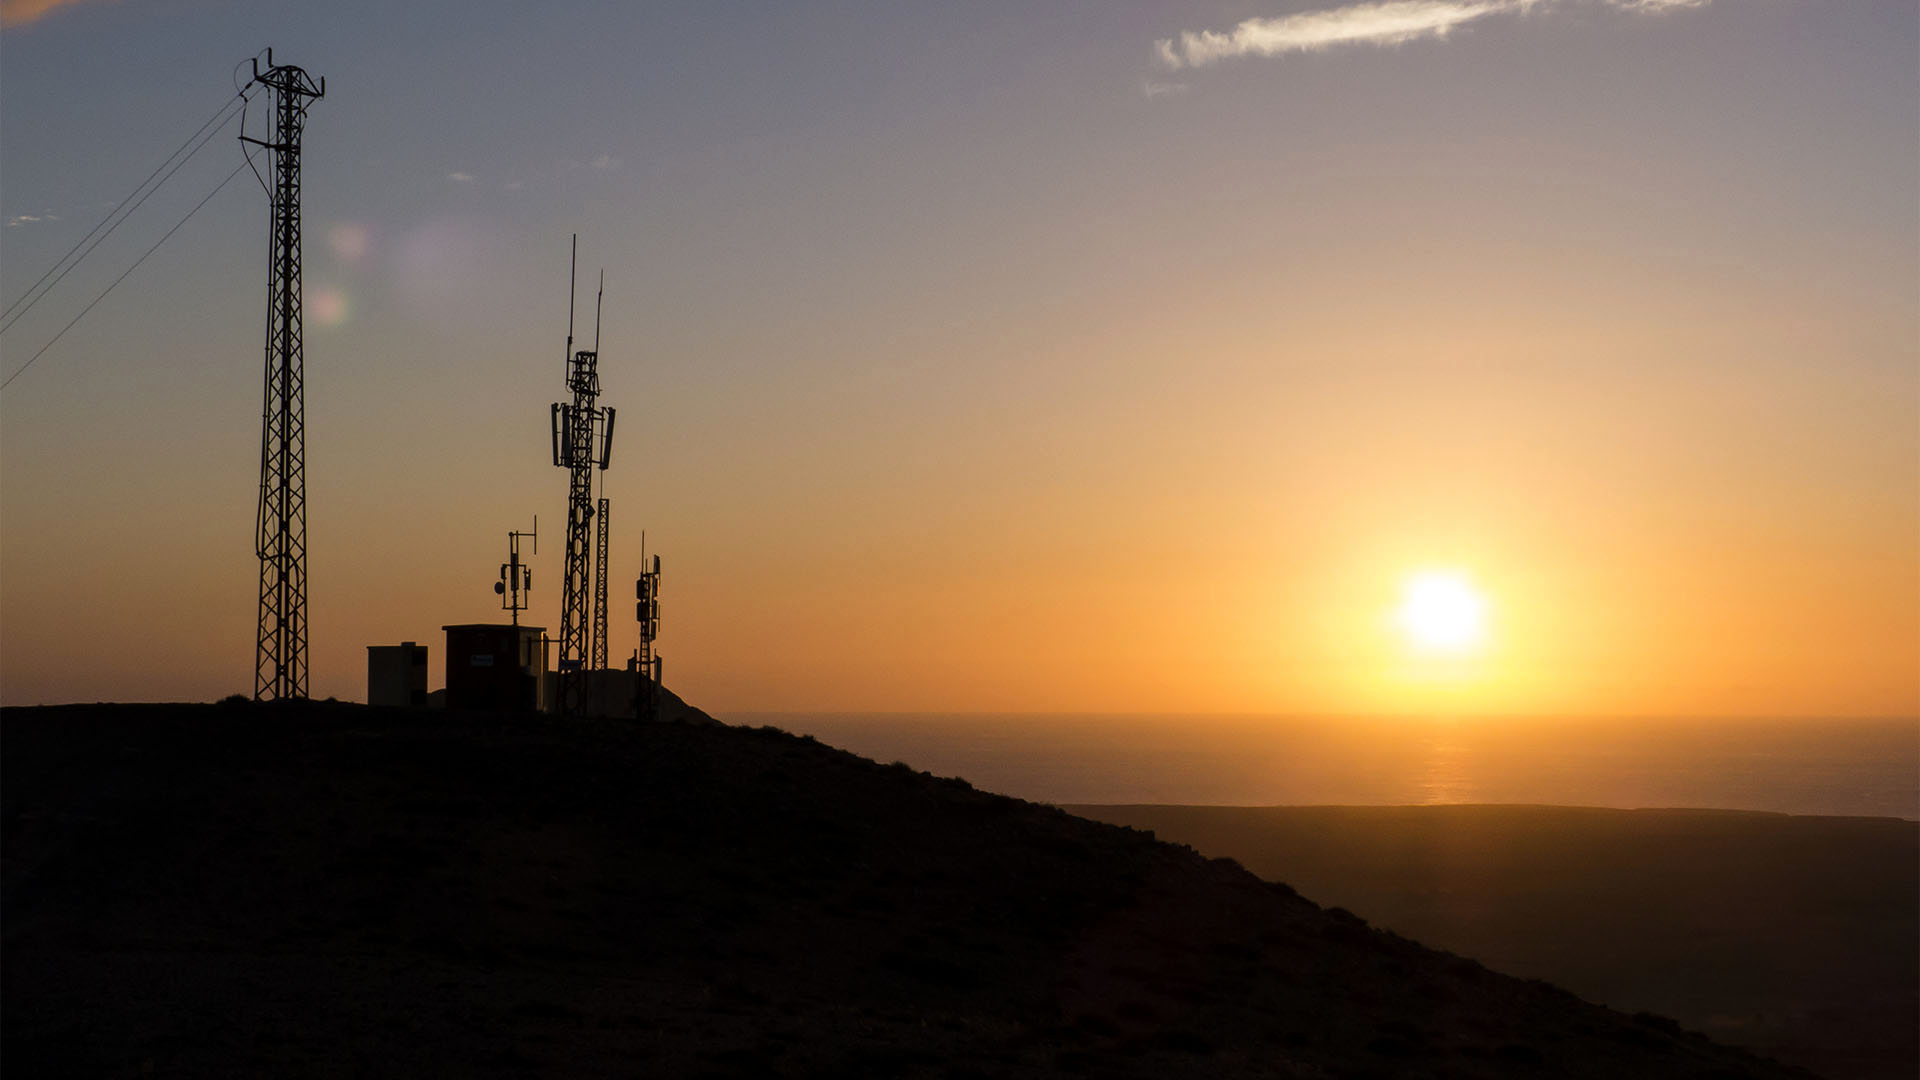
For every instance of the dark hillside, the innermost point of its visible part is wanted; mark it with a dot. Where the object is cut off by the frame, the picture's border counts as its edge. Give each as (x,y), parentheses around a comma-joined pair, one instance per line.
(1798,937)
(331,889)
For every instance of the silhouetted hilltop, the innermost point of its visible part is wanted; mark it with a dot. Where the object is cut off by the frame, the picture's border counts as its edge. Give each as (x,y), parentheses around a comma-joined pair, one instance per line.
(333,889)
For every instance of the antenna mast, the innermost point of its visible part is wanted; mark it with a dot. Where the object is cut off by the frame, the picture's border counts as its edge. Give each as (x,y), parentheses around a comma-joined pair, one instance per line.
(573,263)
(646,663)
(582,441)
(597,641)
(597,637)
(280,657)
(515,576)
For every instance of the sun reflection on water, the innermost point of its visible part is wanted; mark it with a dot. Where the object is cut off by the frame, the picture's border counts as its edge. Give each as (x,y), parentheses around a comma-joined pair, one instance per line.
(1446,776)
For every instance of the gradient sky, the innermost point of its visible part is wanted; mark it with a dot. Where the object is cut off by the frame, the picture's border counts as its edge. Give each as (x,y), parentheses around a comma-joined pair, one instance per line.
(1071,356)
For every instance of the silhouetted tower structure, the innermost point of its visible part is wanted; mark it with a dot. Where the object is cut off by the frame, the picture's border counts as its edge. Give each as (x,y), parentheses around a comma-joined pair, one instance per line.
(582,440)
(601,520)
(517,577)
(646,663)
(280,658)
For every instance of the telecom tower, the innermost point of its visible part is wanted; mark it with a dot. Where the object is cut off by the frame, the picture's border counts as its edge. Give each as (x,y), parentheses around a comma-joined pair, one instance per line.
(280,659)
(646,663)
(582,440)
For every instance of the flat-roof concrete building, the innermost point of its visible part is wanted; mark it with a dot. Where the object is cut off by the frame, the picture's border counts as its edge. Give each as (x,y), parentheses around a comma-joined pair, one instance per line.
(397,674)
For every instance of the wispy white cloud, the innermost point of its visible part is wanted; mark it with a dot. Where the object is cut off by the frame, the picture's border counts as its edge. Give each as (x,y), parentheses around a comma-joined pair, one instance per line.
(1162,89)
(606,161)
(461,177)
(1387,22)
(1378,22)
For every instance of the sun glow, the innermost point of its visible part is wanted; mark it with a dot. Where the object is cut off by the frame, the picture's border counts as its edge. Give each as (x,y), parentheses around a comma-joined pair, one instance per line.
(1442,613)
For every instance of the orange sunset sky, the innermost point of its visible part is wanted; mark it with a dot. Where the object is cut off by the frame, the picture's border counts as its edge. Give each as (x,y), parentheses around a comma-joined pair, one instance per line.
(1069,357)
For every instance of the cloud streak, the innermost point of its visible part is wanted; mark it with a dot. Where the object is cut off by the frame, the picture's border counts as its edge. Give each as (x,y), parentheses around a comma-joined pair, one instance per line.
(1378,22)
(17,13)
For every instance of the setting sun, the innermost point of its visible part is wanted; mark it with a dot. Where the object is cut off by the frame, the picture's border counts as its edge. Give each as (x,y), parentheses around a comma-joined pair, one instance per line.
(1441,612)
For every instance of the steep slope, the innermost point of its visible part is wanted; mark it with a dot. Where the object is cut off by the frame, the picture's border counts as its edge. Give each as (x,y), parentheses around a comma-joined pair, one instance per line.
(1798,937)
(195,890)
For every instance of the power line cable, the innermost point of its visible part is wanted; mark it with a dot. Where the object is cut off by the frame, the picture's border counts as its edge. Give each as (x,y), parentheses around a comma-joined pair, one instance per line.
(210,122)
(123,275)
(16,316)
(115,217)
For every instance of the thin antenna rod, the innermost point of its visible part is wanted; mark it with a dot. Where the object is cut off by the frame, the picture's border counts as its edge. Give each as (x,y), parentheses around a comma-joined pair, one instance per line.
(596,309)
(573,262)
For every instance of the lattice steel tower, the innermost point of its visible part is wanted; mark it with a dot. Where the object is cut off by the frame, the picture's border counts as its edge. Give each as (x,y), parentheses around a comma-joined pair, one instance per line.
(602,520)
(280,658)
(582,440)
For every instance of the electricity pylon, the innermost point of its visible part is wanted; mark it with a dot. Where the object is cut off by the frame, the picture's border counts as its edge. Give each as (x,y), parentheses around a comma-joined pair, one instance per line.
(280,656)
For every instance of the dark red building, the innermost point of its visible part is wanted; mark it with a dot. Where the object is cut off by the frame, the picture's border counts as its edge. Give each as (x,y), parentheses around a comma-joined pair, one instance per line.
(490,666)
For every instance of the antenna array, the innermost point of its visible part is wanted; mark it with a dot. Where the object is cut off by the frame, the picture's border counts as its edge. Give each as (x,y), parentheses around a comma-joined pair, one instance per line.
(646,663)
(515,576)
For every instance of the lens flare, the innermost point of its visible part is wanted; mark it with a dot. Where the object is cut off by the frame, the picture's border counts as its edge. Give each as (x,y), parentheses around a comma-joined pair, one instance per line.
(349,241)
(326,306)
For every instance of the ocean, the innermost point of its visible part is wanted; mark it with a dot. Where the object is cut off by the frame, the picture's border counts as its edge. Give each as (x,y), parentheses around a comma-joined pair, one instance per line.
(1842,767)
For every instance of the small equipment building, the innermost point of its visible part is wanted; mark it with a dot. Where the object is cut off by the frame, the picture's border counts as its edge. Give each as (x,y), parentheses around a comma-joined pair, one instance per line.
(496,667)
(397,674)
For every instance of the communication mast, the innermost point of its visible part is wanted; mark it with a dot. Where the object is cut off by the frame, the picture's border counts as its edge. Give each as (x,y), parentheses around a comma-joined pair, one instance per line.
(515,577)
(646,663)
(602,553)
(280,657)
(582,440)
(601,518)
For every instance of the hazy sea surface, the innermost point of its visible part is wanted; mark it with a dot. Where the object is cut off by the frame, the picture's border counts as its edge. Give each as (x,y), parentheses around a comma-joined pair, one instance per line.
(1848,767)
